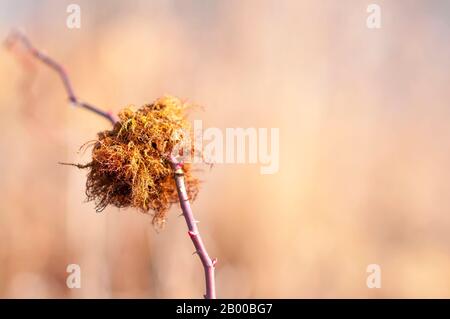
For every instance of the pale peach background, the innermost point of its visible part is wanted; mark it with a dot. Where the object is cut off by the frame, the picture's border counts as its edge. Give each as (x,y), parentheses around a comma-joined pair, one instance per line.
(364,148)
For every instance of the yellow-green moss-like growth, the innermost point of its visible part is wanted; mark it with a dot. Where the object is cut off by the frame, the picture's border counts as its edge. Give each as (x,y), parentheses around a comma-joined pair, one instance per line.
(130,166)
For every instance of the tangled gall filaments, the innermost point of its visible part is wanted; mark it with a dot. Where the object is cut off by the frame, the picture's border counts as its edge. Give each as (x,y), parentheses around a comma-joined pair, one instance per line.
(130,165)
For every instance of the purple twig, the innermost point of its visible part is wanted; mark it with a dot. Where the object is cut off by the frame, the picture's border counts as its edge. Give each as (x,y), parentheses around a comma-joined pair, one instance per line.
(18,36)
(207,262)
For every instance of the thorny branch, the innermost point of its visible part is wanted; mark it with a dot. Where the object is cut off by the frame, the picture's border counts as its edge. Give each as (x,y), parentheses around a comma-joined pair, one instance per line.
(193,231)
(207,262)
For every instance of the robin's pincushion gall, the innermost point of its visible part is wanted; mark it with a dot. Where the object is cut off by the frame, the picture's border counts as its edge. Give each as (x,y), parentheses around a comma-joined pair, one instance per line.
(135,163)
(130,164)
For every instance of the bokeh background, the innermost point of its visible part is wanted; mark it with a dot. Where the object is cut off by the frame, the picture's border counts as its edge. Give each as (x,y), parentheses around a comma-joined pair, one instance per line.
(364,172)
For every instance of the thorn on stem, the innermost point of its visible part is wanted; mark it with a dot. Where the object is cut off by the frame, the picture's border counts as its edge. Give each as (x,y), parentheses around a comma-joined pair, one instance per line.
(192,234)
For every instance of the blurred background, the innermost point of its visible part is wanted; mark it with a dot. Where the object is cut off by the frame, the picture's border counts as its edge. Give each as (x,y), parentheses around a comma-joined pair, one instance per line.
(364,174)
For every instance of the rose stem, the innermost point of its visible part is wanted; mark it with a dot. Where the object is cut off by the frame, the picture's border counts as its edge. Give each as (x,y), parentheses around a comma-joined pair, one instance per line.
(207,262)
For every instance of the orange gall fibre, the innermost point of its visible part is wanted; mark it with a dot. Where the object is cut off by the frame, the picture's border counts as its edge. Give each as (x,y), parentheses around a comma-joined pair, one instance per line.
(130,165)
